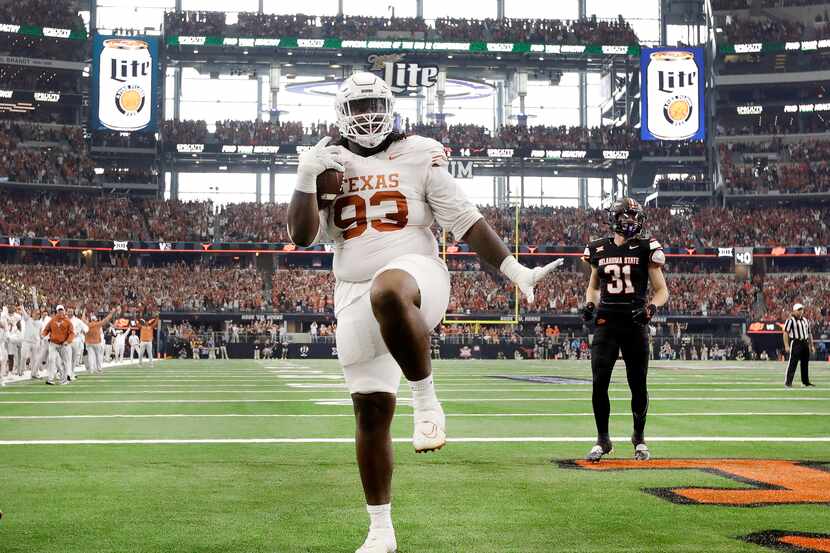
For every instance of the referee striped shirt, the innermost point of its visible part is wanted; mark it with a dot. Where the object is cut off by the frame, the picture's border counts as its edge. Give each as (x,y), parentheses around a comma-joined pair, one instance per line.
(797,329)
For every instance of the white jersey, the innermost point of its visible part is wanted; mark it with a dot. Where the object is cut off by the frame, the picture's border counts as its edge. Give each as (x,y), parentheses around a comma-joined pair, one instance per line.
(120,339)
(79,328)
(133,340)
(386,209)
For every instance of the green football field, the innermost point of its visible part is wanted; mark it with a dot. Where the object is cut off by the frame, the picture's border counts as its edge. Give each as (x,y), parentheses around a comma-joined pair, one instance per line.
(256,456)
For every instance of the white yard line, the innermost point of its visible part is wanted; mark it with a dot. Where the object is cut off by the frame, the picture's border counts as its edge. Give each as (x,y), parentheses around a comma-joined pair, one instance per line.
(453,400)
(407,415)
(514,439)
(95,390)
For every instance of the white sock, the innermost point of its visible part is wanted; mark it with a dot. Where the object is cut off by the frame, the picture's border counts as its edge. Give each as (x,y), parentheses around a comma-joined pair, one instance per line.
(380,516)
(423,394)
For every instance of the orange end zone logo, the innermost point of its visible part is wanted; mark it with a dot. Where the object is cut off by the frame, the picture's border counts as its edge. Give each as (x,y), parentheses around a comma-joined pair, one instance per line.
(796,542)
(772,482)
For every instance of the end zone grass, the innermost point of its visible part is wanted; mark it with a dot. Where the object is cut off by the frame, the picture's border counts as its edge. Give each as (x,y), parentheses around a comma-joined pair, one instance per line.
(483,497)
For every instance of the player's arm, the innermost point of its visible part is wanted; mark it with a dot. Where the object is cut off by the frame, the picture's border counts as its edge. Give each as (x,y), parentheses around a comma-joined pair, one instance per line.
(656,260)
(658,285)
(455,213)
(303,214)
(108,318)
(592,292)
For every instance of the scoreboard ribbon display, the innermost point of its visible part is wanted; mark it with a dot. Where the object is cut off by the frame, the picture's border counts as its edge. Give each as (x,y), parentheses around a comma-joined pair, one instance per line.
(672,98)
(125,79)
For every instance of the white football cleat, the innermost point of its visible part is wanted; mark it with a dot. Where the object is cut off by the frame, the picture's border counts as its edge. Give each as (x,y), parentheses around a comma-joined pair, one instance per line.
(379,540)
(641,452)
(430,430)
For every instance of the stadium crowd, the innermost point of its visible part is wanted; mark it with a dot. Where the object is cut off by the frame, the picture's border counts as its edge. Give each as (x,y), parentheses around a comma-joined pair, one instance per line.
(42,13)
(253,222)
(176,287)
(782,290)
(473,137)
(551,31)
(303,291)
(106,217)
(20,77)
(740,30)
(200,287)
(112,217)
(564,292)
(719,5)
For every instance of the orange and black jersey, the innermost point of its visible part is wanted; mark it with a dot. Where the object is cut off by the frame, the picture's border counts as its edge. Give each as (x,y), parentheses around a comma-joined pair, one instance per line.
(623,272)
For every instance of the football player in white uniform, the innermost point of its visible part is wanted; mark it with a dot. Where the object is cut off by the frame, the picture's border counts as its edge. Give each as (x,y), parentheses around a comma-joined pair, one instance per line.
(392,287)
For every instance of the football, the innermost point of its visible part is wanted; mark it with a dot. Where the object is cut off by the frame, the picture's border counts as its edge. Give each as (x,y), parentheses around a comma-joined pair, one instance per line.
(329,184)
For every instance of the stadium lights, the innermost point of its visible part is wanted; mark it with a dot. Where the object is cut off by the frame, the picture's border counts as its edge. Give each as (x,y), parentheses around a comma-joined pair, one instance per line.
(449,57)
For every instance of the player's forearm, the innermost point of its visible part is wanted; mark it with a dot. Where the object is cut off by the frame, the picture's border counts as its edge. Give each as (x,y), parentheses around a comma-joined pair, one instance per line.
(661,297)
(303,218)
(486,243)
(592,295)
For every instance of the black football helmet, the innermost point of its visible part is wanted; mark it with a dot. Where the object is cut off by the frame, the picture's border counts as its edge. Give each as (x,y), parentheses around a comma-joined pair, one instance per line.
(626,217)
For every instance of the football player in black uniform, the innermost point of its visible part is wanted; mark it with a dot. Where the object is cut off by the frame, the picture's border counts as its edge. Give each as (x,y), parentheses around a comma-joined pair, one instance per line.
(617,299)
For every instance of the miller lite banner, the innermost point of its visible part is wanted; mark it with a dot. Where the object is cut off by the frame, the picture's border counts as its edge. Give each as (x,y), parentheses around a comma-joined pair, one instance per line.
(672,94)
(125,80)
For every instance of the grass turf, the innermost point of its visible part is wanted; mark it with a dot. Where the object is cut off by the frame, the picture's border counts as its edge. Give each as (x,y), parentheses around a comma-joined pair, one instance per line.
(305,497)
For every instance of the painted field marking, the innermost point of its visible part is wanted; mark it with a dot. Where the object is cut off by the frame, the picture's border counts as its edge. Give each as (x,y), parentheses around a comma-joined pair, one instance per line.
(407,415)
(465,400)
(513,439)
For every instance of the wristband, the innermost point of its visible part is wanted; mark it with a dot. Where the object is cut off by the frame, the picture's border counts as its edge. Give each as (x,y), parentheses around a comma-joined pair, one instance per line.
(511,268)
(305,184)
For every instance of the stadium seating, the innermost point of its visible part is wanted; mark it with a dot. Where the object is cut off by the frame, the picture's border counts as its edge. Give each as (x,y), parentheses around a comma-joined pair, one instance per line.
(360,28)
(106,217)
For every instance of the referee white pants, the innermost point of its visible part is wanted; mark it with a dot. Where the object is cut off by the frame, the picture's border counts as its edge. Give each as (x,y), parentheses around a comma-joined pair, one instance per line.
(60,358)
(95,357)
(145,347)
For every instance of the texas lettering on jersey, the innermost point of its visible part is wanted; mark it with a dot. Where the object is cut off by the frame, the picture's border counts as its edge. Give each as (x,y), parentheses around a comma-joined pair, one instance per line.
(372,182)
(388,204)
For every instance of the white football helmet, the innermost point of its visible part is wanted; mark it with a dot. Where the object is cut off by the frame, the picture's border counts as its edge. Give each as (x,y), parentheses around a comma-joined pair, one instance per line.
(364,106)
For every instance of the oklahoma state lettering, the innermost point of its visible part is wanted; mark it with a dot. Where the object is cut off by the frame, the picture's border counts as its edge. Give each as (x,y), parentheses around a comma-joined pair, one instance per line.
(619,261)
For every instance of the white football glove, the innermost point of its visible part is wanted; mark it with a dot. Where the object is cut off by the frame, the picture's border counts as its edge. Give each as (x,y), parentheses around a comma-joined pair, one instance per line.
(524,277)
(314,161)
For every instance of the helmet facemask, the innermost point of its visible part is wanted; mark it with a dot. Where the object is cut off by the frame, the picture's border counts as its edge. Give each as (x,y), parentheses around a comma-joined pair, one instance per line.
(629,223)
(366,121)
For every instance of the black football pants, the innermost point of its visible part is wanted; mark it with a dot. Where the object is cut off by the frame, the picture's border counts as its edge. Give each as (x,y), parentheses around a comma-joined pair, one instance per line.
(799,353)
(609,339)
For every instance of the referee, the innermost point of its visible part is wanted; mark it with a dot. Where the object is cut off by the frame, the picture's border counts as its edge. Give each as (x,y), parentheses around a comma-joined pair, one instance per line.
(799,344)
